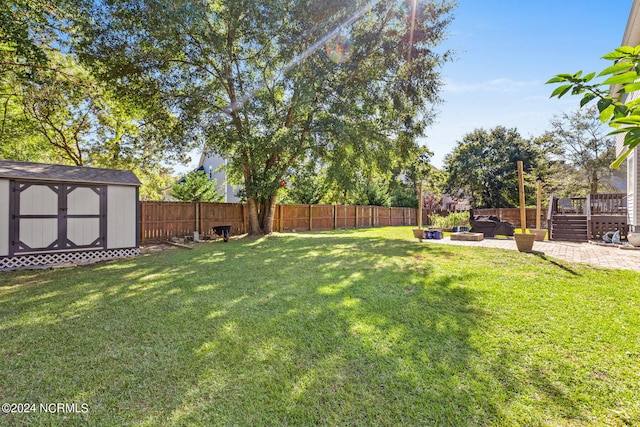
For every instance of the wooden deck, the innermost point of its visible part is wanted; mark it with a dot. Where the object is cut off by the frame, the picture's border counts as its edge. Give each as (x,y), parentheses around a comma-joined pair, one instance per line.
(581,219)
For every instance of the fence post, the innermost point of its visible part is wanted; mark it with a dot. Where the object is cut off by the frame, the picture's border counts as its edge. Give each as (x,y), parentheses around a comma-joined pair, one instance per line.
(310,217)
(244,218)
(335,217)
(142,221)
(404,216)
(356,216)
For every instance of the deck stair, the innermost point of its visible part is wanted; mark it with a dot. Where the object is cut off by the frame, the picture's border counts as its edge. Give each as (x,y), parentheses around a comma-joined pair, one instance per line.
(571,228)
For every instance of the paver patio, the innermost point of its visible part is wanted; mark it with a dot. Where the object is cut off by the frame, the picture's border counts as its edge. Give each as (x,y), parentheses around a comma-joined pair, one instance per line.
(586,253)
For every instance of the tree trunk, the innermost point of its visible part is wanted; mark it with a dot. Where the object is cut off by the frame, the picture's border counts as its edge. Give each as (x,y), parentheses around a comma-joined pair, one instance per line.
(254,223)
(261,215)
(594,182)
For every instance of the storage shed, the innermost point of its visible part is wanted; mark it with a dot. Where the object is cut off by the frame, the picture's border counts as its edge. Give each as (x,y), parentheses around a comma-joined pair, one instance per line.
(51,214)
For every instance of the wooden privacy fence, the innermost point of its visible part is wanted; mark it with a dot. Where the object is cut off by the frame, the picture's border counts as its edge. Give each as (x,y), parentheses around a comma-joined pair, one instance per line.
(163,220)
(512,215)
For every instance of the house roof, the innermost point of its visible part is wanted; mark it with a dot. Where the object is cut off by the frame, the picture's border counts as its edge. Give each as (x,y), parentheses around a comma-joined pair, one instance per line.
(63,173)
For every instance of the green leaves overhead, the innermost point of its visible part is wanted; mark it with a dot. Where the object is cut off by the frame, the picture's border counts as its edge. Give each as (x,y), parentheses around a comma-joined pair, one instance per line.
(614,106)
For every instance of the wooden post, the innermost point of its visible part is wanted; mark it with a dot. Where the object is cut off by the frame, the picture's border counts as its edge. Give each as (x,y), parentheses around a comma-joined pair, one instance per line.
(335,217)
(345,217)
(310,217)
(142,224)
(244,218)
(197,225)
(390,216)
(523,210)
(539,205)
(356,216)
(420,205)
(404,216)
(280,220)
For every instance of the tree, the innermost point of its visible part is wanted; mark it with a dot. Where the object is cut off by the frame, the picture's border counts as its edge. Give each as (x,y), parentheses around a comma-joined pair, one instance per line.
(268,84)
(616,108)
(484,163)
(196,187)
(584,144)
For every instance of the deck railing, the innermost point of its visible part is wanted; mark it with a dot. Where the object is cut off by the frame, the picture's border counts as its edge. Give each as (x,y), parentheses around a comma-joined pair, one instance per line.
(568,205)
(608,204)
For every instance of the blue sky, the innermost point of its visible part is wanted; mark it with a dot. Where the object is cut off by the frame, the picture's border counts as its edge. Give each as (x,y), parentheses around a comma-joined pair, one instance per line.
(506,50)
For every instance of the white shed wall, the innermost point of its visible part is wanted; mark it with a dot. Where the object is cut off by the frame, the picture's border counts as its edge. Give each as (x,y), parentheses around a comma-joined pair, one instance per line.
(4,217)
(121,217)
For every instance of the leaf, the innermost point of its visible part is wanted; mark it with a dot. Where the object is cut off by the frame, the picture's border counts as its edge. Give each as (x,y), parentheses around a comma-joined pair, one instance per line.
(630,120)
(561,90)
(621,111)
(618,161)
(623,78)
(626,49)
(555,80)
(632,87)
(586,99)
(606,114)
(612,56)
(604,103)
(589,77)
(617,68)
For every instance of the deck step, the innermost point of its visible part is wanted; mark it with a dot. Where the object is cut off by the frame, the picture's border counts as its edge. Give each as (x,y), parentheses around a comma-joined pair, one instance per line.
(569,228)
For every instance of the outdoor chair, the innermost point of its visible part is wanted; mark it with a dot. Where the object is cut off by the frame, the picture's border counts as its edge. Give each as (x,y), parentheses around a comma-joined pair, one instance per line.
(565,206)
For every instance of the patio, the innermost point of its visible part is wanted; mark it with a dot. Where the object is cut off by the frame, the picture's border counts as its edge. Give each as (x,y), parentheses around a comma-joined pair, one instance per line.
(575,252)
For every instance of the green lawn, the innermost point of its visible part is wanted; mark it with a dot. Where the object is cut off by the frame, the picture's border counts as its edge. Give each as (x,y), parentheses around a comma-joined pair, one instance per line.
(361,327)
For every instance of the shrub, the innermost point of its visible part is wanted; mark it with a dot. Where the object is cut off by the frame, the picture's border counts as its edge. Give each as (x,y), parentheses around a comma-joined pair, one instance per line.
(454,219)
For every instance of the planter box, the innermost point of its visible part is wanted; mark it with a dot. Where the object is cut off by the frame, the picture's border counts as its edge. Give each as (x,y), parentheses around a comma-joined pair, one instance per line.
(524,242)
(539,233)
(468,237)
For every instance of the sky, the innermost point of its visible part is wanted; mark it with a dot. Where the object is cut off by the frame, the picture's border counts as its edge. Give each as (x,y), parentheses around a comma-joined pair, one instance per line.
(505,50)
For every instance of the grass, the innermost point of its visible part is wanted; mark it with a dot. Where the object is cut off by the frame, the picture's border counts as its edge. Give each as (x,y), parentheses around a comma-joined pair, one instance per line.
(360,327)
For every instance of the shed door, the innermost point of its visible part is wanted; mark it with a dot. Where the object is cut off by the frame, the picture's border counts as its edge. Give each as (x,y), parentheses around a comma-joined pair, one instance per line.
(56,217)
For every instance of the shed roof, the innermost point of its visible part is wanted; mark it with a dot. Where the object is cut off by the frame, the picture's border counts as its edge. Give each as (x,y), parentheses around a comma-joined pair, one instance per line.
(63,173)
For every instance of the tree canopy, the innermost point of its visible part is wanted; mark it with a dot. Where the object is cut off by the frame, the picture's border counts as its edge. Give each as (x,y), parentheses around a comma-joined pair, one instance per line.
(583,142)
(483,164)
(196,187)
(268,84)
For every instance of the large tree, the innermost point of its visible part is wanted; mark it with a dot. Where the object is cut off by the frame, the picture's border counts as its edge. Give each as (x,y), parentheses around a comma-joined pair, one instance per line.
(584,144)
(484,165)
(268,84)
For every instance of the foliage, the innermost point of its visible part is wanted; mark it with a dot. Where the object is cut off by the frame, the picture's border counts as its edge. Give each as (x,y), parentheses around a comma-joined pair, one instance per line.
(306,185)
(154,182)
(616,105)
(373,193)
(484,165)
(454,219)
(196,187)
(358,327)
(268,84)
(583,143)
(403,195)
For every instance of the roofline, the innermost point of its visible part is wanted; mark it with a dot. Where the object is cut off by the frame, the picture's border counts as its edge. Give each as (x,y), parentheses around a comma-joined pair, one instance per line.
(79,181)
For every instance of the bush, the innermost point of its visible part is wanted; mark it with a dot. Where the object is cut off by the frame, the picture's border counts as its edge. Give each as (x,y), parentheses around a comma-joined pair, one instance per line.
(454,219)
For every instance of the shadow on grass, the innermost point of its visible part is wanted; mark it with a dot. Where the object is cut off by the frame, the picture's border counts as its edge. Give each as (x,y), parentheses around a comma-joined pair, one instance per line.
(335,328)
(555,263)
